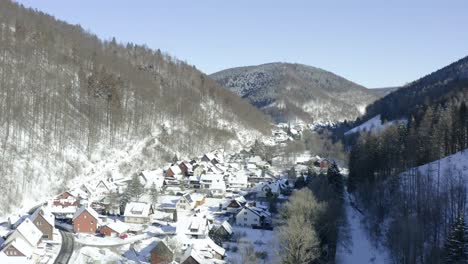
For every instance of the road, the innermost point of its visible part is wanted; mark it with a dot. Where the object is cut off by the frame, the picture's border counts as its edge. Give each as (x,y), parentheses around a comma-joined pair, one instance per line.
(67,248)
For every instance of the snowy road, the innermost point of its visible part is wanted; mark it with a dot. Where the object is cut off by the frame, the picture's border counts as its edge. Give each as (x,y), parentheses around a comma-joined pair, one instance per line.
(360,249)
(67,248)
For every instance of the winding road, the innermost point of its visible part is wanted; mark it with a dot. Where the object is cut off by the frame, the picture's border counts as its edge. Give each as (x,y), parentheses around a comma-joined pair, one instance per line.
(66,251)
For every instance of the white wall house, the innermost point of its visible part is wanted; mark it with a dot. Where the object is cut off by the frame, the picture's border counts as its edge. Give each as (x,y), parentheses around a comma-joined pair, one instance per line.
(138,213)
(252,216)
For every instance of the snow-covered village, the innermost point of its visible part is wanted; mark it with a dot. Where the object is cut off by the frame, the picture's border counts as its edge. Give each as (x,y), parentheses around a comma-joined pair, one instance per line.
(209,209)
(233,132)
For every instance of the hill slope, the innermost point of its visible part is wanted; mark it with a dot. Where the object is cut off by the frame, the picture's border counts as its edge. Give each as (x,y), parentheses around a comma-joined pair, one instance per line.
(71,103)
(289,91)
(437,88)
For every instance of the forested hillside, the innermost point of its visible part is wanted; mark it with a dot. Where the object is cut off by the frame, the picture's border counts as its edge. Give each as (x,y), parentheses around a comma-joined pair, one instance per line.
(288,92)
(438,87)
(69,99)
(419,207)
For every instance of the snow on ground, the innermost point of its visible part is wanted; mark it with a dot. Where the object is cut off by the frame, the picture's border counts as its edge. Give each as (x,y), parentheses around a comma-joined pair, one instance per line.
(261,240)
(87,255)
(449,170)
(373,125)
(360,249)
(92,240)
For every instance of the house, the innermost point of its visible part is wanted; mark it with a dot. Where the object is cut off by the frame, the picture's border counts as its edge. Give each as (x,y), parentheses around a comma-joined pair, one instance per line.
(174,172)
(213,184)
(148,177)
(211,157)
(185,203)
(103,187)
(27,232)
(85,220)
(224,230)
(198,227)
(66,199)
(138,213)
(236,204)
(114,229)
(44,220)
(193,257)
(253,217)
(193,182)
(16,248)
(186,168)
(162,253)
(237,181)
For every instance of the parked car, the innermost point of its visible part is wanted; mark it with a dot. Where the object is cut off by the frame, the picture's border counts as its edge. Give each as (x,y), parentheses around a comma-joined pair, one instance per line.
(124,236)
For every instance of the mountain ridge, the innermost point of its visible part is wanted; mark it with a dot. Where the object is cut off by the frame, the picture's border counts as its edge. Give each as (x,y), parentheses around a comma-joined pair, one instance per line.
(288,91)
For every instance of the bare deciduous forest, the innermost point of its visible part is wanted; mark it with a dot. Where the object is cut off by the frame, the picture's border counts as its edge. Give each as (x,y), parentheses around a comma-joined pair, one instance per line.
(67,95)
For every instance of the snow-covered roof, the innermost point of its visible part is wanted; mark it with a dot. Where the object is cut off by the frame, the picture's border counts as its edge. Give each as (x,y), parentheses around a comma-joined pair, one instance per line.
(212,177)
(137,209)
(20,245)
(28,231)
(256,210)
(118,226)
(175,169)
(227,227)
(90,210)
(153,176)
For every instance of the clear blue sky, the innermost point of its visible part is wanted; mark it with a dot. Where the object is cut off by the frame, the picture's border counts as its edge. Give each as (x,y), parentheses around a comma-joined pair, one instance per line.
(375,43)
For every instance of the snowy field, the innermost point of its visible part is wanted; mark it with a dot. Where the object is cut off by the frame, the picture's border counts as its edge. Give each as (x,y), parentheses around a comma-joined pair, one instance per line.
(262,241)
(373,125)
(360,249)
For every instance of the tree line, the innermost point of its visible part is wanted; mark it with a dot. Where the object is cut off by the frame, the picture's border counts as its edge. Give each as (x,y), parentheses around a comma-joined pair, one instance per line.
(414,212)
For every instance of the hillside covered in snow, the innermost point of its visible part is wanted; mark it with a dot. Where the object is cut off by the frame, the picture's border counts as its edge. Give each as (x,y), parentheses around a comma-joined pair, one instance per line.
(294,91)
(70,102)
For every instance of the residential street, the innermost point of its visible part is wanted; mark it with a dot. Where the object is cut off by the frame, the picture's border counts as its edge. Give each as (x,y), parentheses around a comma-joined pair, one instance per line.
(67,248)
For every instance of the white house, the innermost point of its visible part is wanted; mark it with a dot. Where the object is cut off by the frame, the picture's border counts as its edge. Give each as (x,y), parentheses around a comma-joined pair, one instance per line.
(16,251)
(198,227)
(148,177)
(185,203)
(238,181)
(138,213)
(213,183)
(252,216)
(26,231)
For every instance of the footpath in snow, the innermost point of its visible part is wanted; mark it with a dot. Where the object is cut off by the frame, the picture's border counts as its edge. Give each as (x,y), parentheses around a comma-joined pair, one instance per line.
(359,249)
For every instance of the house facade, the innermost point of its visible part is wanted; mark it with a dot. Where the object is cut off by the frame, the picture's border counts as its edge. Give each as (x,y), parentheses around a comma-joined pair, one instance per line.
(252,217)
(45,222)
(138,213)
(85,220)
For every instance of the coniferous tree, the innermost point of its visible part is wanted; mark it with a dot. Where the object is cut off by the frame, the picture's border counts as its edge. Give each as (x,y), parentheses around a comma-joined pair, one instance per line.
(154,194)
(456,247)
(336,179)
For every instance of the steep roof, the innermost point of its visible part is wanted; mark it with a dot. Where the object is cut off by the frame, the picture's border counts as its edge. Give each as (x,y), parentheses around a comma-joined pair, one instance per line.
(26,230)
(90,210)
(227,227)
(175,169)
(20,245)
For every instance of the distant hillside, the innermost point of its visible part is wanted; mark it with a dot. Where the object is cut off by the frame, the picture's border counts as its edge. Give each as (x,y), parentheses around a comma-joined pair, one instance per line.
(293,91)
(438,88)
(72,104)
(381,92)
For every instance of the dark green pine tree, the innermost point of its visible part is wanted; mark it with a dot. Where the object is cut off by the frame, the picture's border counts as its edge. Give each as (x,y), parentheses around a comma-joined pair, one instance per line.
(335,179)
(456,246)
